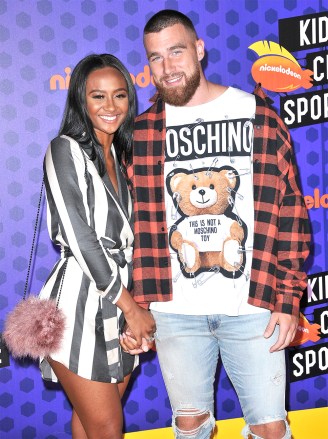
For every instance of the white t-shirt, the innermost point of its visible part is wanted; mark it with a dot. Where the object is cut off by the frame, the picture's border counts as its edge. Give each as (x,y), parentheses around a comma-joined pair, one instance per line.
(209,205)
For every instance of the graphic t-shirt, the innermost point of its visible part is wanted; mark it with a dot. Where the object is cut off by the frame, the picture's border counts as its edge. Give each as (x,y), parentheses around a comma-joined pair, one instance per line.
(209,205)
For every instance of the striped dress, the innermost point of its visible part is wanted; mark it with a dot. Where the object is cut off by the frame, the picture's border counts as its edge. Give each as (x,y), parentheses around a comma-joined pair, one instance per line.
(92,225)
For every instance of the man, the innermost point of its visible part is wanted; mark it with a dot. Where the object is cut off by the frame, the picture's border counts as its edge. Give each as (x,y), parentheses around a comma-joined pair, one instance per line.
(221,233)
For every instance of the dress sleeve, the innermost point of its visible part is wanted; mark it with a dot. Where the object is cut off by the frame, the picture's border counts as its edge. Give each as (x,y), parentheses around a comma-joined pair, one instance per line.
(71,222)
(294,229)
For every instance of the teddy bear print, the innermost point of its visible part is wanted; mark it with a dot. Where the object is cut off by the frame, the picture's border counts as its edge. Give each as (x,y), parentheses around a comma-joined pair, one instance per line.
(208,234)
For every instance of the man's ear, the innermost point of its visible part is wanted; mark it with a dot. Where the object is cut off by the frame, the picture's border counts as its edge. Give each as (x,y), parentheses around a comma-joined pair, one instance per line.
(200,48)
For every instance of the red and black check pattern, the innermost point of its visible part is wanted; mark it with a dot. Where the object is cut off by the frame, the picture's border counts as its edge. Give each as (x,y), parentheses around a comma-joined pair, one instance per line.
(281,229)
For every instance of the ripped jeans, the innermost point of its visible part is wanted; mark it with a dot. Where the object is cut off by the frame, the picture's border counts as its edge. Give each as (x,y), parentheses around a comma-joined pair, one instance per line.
(188,349)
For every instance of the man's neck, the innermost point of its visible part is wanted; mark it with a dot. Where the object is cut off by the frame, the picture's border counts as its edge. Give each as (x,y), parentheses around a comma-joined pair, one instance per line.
(206,92)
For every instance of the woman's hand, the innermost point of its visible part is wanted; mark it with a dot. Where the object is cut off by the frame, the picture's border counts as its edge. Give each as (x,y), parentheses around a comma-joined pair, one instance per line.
(129,343)
(141,326)
(140,321)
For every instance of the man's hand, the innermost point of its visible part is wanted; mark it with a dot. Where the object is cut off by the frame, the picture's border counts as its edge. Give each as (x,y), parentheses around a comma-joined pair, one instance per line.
(287,329)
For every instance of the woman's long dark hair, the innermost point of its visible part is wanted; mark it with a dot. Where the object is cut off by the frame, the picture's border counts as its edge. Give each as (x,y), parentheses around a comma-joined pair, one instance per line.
(76,122)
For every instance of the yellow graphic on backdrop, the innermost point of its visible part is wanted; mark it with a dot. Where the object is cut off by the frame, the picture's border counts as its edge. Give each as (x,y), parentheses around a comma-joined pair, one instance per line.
(277,70)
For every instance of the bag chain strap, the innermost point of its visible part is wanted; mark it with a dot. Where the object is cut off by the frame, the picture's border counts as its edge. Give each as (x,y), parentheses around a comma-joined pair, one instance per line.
(32,251)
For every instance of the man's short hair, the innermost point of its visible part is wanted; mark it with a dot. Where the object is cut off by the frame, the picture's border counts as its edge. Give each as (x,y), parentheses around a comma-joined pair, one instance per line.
(166,18)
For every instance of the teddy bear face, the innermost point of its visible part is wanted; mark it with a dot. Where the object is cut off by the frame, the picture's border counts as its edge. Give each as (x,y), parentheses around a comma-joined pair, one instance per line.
(203,192)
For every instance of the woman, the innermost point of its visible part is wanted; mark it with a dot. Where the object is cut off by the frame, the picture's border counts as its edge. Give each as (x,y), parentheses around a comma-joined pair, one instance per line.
(90,218)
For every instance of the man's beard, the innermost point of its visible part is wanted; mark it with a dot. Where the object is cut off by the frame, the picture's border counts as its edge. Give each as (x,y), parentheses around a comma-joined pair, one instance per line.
(181,95)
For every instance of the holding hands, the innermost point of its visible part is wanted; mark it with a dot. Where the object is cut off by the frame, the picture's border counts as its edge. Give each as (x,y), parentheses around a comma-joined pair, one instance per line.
(129,343)
(138,334)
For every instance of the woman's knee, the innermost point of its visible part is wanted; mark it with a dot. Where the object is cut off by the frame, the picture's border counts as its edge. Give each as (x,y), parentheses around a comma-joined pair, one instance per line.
(104,429)
(101,425)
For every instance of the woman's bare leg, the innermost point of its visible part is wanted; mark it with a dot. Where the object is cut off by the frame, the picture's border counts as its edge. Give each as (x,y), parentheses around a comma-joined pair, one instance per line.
(97,405)
(78,431)
(77,427)
(123,385)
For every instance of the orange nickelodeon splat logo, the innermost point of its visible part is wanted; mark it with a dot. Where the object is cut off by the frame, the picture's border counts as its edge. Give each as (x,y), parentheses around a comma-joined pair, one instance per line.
(277,70)
(306,332)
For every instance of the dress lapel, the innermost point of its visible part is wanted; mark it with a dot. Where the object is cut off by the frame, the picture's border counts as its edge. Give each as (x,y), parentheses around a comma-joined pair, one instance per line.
(122,197)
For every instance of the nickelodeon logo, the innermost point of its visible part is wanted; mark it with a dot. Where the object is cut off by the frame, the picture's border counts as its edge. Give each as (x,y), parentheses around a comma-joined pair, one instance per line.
(61,82)
(316,200)
(277,70)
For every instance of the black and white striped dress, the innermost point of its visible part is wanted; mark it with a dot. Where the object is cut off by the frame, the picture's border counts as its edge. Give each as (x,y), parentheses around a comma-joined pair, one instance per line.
(93,227)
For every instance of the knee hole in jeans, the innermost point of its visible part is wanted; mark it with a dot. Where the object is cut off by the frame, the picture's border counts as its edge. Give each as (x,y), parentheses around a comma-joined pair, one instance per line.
(267,430)
(190,421)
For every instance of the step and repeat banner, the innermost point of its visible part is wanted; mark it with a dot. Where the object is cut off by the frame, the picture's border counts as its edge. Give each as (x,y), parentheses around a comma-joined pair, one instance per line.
(282,44)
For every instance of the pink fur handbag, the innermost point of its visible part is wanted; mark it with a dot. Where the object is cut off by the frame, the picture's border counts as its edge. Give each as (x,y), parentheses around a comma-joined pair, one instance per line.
(35,327)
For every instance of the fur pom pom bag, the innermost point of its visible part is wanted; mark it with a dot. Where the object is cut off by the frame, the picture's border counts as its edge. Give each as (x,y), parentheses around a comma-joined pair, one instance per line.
(35,327)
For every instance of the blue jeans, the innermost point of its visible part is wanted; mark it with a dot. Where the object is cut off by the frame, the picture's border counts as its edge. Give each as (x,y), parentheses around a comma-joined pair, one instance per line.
(188,349)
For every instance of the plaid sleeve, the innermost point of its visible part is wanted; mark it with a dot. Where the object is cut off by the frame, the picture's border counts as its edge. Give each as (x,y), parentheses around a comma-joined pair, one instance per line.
(151,263)
(281,234)
(294,229)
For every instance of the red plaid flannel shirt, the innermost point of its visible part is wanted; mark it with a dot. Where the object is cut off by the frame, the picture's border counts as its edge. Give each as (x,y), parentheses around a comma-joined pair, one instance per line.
(281,229)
